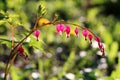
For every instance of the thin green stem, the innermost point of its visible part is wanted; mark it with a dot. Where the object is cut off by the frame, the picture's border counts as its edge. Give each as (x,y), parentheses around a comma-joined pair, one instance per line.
(9,65)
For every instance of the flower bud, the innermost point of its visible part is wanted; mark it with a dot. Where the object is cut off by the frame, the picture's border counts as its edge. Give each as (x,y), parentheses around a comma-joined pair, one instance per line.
(90,36)
(36,34)
(85,33)
(20,50)
(67,30)
(76,32)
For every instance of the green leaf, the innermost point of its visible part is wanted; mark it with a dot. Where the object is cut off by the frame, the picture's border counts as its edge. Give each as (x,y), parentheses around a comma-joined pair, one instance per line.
(2,22)
(106,36)
(14,19)
(113,51)
(4,40)
(14,74)
(36,44)
(41,10)
(2,15)
(108,78)
(92,13)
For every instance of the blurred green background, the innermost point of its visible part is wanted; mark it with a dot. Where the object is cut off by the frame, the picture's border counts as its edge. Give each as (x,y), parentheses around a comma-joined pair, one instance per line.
(60,58)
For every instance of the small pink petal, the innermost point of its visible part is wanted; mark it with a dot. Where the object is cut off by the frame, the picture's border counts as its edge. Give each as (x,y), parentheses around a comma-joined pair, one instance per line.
(37,33)
(97,39)
(85,32)
(67,30)
(76,31)
(60,27)
(90,36)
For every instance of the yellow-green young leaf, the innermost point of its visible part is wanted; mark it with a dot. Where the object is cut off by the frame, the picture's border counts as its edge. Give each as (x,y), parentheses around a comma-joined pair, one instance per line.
(116,31)
(41,10)
(108,78)
(36,44)
(113,51)
(92,13)
(4,40)
(107,37)
(14,73)
(2,22)
(54,78)
(2,15)
(14,19)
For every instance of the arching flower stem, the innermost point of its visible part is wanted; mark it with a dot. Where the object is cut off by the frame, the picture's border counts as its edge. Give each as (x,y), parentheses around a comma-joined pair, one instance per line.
(80,26)
(54,22)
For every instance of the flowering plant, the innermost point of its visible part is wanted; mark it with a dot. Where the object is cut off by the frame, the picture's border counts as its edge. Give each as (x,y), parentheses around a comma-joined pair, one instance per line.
(61,27)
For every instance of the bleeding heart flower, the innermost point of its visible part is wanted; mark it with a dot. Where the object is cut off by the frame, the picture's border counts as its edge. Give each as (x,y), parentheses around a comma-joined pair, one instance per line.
(97,39)
(85,33)
(67,30)
(101,47)
(20,50)
(90,36)
(76,31)
(60,28)
(36,34)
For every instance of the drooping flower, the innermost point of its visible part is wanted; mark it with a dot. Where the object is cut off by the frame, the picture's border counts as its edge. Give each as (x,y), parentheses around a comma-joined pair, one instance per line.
(76,31)
(100,45)
(60,28)
(67,30)
(97,39)
(20,50)
(85,33)
(90,36)
(36,34)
